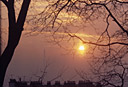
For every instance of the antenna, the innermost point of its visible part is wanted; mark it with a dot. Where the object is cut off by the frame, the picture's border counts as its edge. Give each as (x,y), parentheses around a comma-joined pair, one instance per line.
(44,56)
(44,53)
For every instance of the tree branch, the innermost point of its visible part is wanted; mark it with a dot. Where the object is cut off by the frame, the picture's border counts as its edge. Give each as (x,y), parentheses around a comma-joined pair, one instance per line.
(5,2)
(11,14)
(23,13)
(110,13)
(113,43)
(115,19)
(56,15)
(124,2)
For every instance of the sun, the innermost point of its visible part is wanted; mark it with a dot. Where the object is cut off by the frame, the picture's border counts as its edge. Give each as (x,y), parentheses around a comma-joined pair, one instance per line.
(81,48)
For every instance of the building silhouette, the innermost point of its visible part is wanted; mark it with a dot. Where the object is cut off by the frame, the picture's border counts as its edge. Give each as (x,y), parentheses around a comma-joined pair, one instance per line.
(14,83)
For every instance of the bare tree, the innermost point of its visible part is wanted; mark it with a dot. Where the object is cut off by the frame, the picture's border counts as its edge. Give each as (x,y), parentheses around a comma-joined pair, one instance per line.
(15,30)
(110,44)
(112,14)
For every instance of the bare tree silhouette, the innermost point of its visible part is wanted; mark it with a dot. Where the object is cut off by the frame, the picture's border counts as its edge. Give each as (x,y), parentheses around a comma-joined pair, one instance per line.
(15,30)
(110,46)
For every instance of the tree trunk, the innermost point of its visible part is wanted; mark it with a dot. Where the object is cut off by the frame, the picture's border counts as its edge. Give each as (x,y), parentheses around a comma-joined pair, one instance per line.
(8,53)
(15,30)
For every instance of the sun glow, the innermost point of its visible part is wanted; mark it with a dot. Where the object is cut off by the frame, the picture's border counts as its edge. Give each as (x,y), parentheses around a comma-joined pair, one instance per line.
(82,48)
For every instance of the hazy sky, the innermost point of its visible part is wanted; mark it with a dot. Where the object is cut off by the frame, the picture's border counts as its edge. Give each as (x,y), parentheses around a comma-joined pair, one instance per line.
(33,52)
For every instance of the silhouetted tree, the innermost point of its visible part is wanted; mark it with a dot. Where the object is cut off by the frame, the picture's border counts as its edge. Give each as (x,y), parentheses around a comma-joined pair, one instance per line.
(110,44)
(15,30)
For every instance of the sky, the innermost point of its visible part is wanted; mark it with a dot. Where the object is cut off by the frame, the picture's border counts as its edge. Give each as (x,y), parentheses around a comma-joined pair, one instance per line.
(36,50)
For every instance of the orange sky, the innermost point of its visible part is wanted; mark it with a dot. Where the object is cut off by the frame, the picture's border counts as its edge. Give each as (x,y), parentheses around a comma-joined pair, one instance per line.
(29,55)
